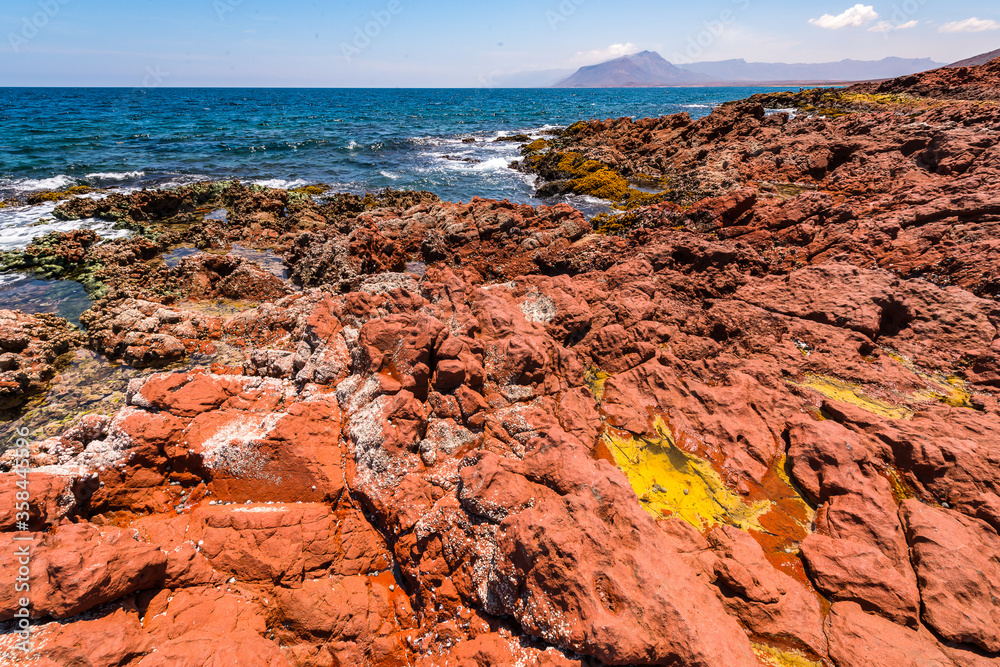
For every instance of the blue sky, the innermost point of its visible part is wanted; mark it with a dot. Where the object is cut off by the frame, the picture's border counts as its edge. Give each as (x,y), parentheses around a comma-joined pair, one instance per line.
(451,43)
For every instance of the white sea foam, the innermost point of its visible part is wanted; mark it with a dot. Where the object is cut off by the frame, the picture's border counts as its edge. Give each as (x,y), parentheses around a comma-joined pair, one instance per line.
(20,225)
(281,183)
(177,180)
(390,175)
(62,181)
(496,164)
(10,278)
(433,141)
(103,177)
(39,184)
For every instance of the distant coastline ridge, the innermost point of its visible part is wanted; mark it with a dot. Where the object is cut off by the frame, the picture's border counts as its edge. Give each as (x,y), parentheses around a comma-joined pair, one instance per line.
(649,69)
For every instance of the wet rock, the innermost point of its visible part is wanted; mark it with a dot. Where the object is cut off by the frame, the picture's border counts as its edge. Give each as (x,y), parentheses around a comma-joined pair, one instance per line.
(144,333)
(30,345)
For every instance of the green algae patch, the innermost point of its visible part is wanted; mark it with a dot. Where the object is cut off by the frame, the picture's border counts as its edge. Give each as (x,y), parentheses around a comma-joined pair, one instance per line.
(574,172)
(534,147)
(57,195)
(673,483)
(616,225)
(310,190)
(846,392)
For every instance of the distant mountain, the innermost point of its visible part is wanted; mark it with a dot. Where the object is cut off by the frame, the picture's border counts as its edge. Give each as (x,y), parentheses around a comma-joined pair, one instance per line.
(640,69)
(650,69)
(977,60)
(734,71)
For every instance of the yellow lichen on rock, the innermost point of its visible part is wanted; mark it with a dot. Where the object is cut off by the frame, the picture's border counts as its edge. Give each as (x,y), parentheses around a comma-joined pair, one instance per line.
(775,657)
(845,392)
(673,483)
(948,389)
(595,379)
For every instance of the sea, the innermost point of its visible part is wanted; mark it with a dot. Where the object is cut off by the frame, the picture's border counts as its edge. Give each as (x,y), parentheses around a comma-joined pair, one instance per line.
(353,140)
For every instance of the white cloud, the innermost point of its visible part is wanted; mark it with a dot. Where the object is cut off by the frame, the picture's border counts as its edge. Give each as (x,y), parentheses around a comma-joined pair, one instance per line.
(602,55)
(855,17)
(970,25)
(889,26)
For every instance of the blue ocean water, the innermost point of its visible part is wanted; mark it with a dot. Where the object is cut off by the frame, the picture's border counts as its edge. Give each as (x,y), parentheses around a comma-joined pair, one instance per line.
(353,139)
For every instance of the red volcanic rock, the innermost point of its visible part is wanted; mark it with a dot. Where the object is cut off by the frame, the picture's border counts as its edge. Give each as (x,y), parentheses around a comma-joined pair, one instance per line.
(957,463)
(354,620)
(300,336)
(29,346)
(768,602)
(932,325)
(286,543)
(79,566)
(961,83)
(229,433)
(53,498)
(108,636)
(208,276)
(501,648)
(853,572)
(200,611)
(498,238)
(584,584)
(206,648)
(828,459)
(961,602)
(858,639)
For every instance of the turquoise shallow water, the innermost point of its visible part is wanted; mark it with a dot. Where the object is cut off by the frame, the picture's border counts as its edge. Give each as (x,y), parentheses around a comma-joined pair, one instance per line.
(354,139)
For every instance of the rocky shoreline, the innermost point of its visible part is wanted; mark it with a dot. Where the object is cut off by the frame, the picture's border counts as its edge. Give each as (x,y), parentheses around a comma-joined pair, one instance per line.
(749,417)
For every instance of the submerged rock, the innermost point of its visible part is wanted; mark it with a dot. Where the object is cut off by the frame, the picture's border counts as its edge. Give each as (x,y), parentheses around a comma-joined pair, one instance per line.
(30,346)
